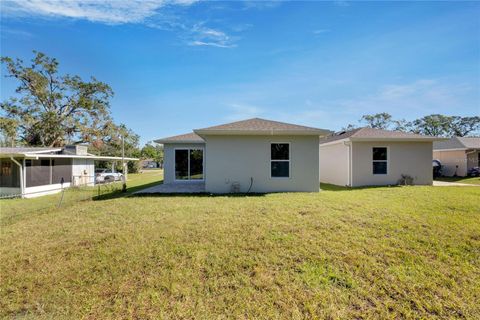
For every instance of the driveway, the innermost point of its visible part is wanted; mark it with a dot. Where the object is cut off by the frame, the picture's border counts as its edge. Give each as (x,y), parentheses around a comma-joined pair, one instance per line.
(452,184)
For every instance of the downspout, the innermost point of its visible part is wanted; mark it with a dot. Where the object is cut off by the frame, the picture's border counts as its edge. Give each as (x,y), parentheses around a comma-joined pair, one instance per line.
(20,167)
(349,145)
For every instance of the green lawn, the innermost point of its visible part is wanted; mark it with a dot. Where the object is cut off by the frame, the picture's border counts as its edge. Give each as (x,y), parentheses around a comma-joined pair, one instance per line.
(403,252)
(469,180)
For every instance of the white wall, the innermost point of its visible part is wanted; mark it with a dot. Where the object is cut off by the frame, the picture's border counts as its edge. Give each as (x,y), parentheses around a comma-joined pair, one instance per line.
(83,172)
(334,164)
(33,192)
(411,158)
(453,162)
(238,158)
(169,159)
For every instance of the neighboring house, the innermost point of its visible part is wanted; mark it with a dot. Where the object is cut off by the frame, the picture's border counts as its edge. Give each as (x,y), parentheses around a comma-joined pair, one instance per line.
(32,172)
(148,164)
(254,155)
(370,157)
(457,155)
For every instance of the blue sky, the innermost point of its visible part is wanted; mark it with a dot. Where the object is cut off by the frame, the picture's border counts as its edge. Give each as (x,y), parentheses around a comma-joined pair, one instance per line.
(183,64)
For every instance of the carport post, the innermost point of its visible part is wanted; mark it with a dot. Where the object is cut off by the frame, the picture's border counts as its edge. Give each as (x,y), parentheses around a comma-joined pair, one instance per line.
(20,167)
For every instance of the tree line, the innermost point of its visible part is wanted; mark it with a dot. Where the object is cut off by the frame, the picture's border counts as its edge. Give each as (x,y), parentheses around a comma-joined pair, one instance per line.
(50,109)
(430,125)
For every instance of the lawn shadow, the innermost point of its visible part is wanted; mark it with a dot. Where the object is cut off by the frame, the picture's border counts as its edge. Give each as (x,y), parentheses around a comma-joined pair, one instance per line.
(333,187)
(198,194)
(130,190)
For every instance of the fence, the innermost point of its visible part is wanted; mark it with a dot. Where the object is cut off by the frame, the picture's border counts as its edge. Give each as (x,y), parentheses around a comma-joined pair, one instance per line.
(80,188)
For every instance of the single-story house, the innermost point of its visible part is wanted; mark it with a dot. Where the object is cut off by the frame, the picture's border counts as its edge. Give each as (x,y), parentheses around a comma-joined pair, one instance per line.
(254,155)
(457,155)
(370,157)
(30,172)
(149,164)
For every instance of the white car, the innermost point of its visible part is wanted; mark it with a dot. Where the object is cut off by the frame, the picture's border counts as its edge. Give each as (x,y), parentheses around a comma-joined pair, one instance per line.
(107,175)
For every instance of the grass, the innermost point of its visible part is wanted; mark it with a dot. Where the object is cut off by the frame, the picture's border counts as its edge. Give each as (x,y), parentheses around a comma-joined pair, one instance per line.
(16,208)
(468,180)
(387,253)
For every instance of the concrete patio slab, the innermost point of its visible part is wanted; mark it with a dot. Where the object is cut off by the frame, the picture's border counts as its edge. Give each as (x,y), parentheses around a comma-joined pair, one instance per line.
(452,184)
(180,187)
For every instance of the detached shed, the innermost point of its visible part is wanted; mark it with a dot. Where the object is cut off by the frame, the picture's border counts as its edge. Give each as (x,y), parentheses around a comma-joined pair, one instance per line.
(32,172)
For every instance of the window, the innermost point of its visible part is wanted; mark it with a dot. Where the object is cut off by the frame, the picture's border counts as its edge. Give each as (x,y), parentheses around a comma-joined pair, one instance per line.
(280,160)
(189,164)
(380,160)
(9,174)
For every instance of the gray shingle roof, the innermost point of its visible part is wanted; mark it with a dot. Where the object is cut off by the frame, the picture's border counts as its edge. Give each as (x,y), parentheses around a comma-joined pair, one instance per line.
(458,143)
(182,138)
(380,134)
(261,125)
(27,149)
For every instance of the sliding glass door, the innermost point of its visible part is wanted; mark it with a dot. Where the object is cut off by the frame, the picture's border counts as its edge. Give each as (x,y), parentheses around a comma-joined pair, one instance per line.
(188,164)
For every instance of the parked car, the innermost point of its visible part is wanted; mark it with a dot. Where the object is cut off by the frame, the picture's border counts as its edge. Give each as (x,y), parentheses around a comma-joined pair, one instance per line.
(474,172)
(107,175)
(437,168)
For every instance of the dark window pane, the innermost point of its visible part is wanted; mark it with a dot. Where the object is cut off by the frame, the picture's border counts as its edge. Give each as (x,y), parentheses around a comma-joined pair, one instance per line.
(181,164)
(280,169)
(379,153)
(196,164)
(38,173)
(9,174)
(61,168)
(279,151)
(380,167)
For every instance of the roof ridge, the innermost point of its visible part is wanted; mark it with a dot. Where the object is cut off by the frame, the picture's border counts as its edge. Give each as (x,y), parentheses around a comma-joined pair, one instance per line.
(257,123)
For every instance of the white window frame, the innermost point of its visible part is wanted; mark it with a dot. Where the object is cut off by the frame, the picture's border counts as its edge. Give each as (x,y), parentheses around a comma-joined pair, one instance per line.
(387,161)
(289,159)
(189,178)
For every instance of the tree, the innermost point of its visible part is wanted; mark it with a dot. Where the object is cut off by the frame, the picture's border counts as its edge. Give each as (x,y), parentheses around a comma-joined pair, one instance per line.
(55,108)
(150,151)
(349,127)
(378,121)
(433,125)
(402,125)
(463,126)
(111,144)
(8,130)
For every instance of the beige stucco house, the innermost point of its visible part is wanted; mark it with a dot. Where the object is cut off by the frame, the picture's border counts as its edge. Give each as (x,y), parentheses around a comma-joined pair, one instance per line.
(370,157)
(254,155)
(457,155)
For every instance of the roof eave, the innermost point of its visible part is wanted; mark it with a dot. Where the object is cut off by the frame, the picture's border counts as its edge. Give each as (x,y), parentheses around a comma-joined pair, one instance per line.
(221,132)
(393,139)
(69,156)
(166,141)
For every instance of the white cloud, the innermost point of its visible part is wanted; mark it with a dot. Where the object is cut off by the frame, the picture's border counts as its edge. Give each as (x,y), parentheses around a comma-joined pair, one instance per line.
(204,36)
(261,4)
(151,13)
(108,11)
(210,44)
(320,31)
